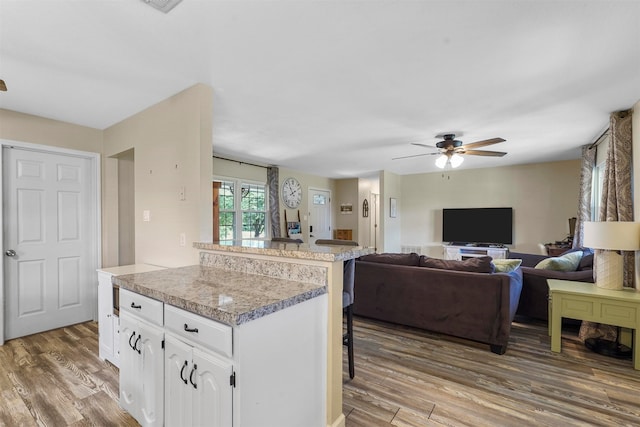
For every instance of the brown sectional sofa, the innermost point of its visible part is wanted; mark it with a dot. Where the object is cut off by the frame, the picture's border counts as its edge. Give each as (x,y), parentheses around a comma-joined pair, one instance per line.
(471,305)
(534,299)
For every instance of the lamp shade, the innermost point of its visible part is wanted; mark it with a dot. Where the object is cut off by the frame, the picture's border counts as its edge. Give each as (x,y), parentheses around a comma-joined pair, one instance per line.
(441,161)
(612,235)
(456,160)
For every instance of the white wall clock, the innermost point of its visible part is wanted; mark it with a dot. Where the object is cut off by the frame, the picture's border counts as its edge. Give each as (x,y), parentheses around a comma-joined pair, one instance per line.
(291,193)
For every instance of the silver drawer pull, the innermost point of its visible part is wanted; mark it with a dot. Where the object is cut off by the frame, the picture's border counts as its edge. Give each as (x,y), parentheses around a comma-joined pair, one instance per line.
(187,329)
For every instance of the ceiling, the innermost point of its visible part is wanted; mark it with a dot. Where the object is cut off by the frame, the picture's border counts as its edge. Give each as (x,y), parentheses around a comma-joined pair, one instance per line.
(336,88)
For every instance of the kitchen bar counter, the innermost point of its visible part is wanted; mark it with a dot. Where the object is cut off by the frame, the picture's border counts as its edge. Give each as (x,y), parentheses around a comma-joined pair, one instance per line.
(320,265)
(300,251)
(226,296)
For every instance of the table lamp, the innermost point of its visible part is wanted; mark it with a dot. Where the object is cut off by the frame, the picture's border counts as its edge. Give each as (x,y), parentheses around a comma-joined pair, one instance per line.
(608,238)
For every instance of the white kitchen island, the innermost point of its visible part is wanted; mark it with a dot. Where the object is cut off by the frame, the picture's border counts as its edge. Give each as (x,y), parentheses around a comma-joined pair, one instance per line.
(269,328)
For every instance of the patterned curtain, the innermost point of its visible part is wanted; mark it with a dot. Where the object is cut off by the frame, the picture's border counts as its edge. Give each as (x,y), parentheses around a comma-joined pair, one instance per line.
(584,203)
(616,204)
(274,200)
(617,197)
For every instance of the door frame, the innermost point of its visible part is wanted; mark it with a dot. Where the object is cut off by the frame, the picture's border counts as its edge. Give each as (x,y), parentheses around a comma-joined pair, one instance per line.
(95,256)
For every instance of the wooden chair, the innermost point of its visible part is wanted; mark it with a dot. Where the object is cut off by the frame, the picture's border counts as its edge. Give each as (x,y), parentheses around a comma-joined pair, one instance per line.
(348,278)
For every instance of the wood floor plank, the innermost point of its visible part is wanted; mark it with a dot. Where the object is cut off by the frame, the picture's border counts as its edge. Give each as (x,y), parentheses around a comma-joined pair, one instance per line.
(467,385)
(57,379)
(405,377)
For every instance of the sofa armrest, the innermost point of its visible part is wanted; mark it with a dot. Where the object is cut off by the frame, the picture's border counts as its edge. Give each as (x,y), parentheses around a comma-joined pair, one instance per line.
(578,276)
(528,260)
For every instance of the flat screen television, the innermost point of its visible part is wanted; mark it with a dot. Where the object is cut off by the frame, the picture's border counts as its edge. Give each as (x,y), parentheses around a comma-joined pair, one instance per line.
(478,225)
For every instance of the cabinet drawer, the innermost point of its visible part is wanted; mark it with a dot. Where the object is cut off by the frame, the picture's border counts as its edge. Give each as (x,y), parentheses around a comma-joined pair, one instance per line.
(144,307)
(210,334)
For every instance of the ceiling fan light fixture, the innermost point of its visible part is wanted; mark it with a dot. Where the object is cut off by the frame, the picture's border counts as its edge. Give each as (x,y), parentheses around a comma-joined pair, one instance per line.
(456,160)
(441,161)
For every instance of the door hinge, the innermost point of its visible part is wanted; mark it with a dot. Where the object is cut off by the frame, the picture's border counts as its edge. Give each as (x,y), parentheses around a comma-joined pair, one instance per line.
(162,344)
(232,380)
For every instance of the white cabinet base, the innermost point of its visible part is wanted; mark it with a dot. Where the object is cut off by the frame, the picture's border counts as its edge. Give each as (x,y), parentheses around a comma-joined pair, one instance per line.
(463,252)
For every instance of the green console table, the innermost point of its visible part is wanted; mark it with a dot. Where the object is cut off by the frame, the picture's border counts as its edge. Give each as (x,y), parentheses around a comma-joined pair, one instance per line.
(585,301)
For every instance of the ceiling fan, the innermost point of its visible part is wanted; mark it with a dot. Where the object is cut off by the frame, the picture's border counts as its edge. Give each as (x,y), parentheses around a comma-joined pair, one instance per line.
(451,150)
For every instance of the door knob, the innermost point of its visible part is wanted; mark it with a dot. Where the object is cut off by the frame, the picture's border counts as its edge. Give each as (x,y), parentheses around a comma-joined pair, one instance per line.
(10,252)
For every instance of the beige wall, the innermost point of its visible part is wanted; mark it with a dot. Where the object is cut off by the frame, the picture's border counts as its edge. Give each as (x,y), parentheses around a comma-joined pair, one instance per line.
(347,194)
(172,143)
(233,169)
(306,181)
(38,130)
(543,197)
(391,229)
(369,189)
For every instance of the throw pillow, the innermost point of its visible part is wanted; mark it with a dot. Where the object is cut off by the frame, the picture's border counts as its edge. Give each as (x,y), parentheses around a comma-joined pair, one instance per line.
(393,258)
(506,265)
(476,265)
(566,262)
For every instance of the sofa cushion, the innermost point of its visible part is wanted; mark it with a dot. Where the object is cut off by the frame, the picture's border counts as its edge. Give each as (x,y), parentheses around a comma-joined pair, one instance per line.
(475,265)
(566,262)
(393,258)
(506,265)
(586,262)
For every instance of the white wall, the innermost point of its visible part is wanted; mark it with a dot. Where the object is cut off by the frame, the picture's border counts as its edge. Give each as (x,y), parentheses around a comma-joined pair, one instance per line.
(544,196)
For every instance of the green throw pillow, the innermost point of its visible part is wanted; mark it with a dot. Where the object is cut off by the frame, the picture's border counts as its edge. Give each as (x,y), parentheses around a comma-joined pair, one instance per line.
(566,262)
(506,265)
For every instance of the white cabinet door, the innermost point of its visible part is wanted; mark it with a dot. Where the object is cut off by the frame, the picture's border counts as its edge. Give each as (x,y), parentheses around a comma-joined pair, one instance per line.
(197,387)
(152,371)
(105,316)
(213,395)
(178,396)
(141,370)
(116,340)
(129,362)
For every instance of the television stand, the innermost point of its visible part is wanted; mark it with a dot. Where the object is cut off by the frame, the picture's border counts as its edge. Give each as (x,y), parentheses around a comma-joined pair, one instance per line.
(462,252)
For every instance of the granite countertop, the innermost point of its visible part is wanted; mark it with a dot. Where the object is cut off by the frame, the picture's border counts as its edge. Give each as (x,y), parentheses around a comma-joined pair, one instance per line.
(225,296)
(288,250)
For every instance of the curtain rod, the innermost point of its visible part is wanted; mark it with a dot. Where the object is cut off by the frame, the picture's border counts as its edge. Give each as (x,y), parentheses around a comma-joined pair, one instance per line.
(240,162)
(599,139)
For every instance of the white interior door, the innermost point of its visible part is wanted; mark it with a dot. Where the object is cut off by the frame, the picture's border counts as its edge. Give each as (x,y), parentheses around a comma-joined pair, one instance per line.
(319,215)
(49,272)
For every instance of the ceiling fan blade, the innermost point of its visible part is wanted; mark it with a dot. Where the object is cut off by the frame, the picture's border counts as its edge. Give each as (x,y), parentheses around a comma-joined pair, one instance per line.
(483,153)
(414,155)
(484,143)
(424,145)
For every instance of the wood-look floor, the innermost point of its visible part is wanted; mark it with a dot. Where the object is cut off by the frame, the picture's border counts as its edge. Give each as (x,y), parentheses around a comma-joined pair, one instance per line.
(56,379)
(410,377)
(404,377)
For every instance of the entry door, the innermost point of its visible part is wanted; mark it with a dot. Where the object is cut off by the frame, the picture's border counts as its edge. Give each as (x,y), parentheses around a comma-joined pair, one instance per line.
(319,215)
(49,272)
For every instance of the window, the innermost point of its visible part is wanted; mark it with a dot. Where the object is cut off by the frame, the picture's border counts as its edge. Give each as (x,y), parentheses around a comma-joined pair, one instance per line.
(241,210)
(597,177)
